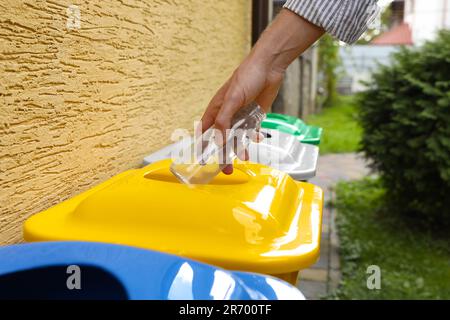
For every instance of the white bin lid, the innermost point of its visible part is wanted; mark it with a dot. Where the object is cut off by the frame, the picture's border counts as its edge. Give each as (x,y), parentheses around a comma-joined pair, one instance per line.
(278,150)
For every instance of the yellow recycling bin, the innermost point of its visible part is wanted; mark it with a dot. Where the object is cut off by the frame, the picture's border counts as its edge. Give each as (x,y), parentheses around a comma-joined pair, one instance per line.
(258,219)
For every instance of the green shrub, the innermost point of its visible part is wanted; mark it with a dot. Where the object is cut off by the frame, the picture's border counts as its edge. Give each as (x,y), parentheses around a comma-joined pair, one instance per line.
(405,116)
(413,264)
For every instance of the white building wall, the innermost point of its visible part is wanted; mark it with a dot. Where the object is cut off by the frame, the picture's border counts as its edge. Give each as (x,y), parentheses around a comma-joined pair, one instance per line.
(426,17)
(358,63)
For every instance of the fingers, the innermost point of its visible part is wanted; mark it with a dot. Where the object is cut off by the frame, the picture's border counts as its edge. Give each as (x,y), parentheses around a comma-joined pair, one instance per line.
(210,114)
(209,117)
(228,169)
(268,95)
(256,136)
(243,155)
(233,101)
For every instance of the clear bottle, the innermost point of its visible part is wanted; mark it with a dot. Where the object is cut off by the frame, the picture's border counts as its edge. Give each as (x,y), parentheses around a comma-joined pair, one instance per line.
(208,155)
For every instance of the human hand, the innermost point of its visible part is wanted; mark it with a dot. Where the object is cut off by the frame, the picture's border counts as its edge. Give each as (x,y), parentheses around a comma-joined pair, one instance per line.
(259,77)
(251,81)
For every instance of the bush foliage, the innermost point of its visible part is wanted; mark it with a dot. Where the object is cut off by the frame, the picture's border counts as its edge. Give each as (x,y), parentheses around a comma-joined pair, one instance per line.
(413,264)
(405,116)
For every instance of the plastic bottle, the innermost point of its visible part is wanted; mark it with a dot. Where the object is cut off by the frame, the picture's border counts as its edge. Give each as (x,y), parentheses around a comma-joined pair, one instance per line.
(207,155)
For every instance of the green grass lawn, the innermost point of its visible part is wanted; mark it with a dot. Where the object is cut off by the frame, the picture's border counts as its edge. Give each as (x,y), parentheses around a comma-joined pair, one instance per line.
(341,131)
(413,265)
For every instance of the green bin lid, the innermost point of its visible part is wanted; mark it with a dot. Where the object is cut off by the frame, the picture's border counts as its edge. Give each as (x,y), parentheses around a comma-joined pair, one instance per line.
(294,126)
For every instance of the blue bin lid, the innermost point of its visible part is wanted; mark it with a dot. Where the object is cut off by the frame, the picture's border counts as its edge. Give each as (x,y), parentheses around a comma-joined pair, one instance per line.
(107,271)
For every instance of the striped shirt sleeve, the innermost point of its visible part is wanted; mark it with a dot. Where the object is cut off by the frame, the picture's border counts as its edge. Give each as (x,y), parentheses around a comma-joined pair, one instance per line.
(346,20)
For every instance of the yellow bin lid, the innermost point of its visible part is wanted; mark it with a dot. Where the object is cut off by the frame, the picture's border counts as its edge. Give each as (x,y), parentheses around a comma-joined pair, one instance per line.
(257,219)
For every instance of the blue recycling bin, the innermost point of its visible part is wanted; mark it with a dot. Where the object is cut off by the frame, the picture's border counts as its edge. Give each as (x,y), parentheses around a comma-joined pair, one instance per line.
(90,270)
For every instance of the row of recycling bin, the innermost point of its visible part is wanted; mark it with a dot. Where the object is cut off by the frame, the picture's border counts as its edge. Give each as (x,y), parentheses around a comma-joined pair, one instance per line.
(144,235)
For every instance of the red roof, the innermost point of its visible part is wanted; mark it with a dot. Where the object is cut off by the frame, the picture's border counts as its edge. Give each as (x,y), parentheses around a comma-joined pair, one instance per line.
(399,35)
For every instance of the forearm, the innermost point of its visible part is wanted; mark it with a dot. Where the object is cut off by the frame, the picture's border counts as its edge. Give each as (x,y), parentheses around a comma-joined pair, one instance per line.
(284,40)
(259,77)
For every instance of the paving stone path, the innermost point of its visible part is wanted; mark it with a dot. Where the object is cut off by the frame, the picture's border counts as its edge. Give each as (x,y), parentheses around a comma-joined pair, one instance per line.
(323,277)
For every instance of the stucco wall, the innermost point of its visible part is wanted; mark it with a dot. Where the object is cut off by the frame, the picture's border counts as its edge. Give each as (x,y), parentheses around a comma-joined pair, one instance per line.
(79,106)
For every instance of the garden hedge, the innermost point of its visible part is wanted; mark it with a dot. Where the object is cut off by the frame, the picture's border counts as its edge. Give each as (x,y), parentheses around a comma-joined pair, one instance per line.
(405,116)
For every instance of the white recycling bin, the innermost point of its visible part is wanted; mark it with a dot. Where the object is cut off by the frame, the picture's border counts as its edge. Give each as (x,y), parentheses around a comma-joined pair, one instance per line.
(278,150)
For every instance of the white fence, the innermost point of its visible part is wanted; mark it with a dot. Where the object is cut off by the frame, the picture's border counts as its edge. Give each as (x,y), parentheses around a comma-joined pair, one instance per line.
(358,62)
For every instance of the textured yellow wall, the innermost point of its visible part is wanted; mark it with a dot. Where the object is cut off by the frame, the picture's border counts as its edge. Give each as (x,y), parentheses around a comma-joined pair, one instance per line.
(79,106)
